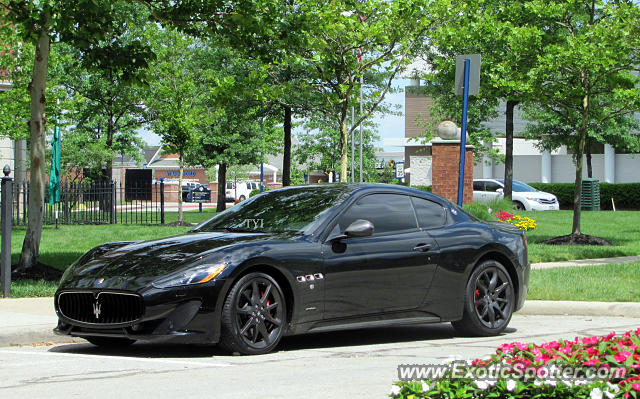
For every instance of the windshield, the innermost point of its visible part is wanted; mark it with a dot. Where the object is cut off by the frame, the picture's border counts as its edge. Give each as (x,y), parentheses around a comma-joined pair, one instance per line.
(519,186)
(297,209)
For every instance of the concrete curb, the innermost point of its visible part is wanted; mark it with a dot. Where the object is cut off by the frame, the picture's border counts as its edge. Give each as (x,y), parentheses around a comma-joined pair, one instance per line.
(577,308)
(34,335)
(585,262)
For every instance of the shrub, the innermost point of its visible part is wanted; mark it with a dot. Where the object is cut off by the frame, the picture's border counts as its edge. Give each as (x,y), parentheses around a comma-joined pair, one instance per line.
(590,367)
(480,211)
(257,191)
(625,195)
(423,188)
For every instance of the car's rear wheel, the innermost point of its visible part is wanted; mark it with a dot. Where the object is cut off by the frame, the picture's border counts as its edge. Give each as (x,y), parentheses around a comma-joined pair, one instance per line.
(242,198)
(489,301)
(110,342)
(253,316)
(519,206)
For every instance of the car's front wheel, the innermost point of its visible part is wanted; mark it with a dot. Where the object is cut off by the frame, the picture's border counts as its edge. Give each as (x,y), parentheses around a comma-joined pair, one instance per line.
(253,316)
(519,206)
(489,301)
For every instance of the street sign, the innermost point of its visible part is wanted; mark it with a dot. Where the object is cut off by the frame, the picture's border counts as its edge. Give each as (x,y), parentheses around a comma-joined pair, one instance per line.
(399,170)
(474,74)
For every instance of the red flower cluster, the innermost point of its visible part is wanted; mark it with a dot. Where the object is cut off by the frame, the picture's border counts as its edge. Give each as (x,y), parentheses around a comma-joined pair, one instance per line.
(503,216)
(619,352)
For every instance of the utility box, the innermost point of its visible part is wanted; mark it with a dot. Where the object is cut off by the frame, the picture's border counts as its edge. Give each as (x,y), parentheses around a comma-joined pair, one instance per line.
(590,195)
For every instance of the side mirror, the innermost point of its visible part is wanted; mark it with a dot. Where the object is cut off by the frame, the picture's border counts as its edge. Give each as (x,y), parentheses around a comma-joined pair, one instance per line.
(359,228)
(499,190)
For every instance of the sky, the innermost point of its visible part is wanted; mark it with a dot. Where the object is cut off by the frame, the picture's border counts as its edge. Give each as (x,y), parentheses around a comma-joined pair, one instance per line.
(389,126)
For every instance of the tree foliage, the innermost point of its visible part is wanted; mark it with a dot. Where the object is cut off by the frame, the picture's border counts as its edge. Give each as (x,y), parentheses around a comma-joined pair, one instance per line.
(586,77)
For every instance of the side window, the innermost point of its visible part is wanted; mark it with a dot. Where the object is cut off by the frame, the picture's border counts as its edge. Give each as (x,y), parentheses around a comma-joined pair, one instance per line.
(249,186)
(430,214)
(492,186)
(229,186)
(387,212)
(478,186)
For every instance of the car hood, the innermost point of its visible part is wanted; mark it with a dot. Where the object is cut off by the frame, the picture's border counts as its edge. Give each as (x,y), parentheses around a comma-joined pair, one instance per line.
(136,265)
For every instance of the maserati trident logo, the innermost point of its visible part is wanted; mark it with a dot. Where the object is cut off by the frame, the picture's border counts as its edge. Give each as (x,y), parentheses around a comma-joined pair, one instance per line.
(97,308)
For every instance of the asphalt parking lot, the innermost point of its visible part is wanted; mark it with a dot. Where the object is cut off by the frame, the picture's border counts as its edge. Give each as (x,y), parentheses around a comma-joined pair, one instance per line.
(360,363)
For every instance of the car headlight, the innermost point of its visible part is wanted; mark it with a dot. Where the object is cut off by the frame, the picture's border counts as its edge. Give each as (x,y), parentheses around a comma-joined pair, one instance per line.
(197,275)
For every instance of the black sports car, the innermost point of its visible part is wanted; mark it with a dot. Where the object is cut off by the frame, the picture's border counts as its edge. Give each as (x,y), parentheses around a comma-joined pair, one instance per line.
(297,260)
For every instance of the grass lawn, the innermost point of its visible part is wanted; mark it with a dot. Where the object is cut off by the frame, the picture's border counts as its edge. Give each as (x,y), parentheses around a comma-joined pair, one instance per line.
(607,283)
(60,247)
(619,228)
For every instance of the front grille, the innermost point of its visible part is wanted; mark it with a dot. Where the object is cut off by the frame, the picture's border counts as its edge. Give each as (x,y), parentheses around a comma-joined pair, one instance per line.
(100,307)
(547,201)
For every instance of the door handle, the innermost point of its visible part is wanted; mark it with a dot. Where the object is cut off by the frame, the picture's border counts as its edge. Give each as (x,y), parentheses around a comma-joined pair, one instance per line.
(422,247)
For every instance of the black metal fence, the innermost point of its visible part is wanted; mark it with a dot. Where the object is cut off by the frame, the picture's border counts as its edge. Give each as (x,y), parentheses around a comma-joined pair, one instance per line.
(96,203)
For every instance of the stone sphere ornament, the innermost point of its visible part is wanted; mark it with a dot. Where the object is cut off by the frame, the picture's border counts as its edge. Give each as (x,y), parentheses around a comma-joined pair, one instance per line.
(448,130)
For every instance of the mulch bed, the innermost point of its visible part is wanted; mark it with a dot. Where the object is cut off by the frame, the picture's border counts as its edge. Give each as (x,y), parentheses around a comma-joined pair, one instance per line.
(577,239)
(40,271)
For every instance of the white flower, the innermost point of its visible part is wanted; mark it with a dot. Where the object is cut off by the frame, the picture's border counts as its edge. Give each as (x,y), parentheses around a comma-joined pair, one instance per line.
(346,13)
(511,385)
(551,383)
(425,387)
(395,390)
(596,393)
(482,384)
(613,387)
(609,394)
(537,383)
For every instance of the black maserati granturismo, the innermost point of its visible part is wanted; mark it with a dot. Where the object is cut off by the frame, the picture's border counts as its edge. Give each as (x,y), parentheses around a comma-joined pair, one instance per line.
(298,260)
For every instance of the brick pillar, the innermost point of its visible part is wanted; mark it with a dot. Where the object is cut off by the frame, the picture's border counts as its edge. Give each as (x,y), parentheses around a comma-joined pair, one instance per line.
(444,169)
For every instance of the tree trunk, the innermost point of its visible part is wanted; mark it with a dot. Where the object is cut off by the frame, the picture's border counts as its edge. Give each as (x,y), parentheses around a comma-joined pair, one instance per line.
(344,159)
(589,168)
(222,186)
(508,159)
(286,157)
(181,161)
(577,192)
(37,88)
(110,132)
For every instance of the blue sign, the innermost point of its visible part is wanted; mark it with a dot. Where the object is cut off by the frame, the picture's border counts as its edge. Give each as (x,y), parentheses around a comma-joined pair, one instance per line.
(185,174)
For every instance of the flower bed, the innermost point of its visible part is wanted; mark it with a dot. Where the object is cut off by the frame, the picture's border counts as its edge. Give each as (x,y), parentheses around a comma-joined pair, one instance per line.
(523,222)
(591,367)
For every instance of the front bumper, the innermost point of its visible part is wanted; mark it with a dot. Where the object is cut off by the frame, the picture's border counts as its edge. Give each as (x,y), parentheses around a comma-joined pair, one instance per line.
(536,206)
(184,314)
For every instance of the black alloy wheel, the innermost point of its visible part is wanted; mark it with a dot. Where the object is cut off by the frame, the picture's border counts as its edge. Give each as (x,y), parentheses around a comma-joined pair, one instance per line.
(489,301)
(254,315)
(518,206)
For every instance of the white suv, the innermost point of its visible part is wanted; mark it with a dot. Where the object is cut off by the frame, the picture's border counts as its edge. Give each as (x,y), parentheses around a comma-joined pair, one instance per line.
(524,197)
(240,190)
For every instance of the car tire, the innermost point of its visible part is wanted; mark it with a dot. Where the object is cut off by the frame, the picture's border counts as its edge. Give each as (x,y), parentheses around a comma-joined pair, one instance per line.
(519,206)
(242,198)
(489,301)
(253,315)
(110,342)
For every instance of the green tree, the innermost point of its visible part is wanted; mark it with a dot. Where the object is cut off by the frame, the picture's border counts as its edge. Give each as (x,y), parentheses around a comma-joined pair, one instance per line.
(175,94)
(506,35)
(82,24)
(106,94)
(318,149)
(585,77)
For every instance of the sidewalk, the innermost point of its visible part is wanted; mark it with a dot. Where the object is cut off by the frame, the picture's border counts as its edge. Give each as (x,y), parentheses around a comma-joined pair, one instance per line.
(26,321)
(585,262)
